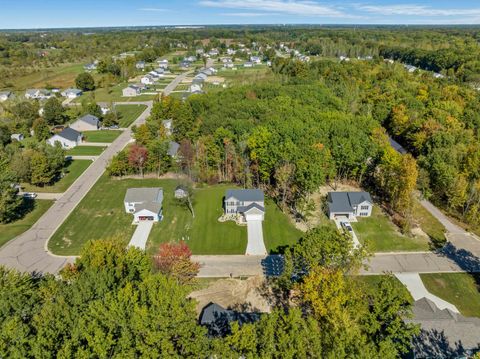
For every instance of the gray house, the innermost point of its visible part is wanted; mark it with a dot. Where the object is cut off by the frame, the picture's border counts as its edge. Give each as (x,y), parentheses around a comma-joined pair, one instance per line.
(68,138)
(144,203)
(349,204)
(249,203)
(86,123)
(173,148)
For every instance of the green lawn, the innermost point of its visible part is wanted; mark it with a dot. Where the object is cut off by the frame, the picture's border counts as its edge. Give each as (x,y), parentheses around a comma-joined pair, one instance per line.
(370,283)
(72,171)
(460,289)
(129,113)
(11,230)
(430,225)
(382,235)
(86,151)
(104,136)
(112,94)
(102,208)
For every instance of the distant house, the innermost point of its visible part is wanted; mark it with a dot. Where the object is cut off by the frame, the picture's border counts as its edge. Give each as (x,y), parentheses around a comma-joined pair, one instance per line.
(255,59)
(86,123)
(250,203)
(248,64)
(163,64)
(168,125)
(104,107)
(231,51)
(159,72)
(438,75)
(71,93)
(140,65)
(190,58)
(185,64)
(173,148)
(349,204)
(195,88)
(148,80)
(181,192)
(17,137)
(90,67)
(38,94)
(144,203)
(198,81)
(199,51)
(213,52)
(217,319)
(229,65)
(201,75)
(410,68)
(68,138)
(5,95)
(131,91)
(207,72)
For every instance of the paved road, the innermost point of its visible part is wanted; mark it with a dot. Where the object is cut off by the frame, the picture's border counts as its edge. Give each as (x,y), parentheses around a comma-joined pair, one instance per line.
(28,252)
(172,85)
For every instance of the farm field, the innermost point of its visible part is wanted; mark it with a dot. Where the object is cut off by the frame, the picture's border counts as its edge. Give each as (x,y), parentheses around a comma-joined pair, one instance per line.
(103,209)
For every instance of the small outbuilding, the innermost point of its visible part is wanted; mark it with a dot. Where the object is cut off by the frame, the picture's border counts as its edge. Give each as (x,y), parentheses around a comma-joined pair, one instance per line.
(181,192)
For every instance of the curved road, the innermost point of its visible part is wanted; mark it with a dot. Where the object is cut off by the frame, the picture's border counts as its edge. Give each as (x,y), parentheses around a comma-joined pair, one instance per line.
(28,251)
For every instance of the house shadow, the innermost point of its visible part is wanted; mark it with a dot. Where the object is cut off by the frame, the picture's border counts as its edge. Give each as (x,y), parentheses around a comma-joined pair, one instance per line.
(465,259)
(435,344)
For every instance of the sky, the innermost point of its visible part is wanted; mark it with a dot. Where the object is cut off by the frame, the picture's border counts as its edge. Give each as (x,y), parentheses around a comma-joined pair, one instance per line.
(27,14)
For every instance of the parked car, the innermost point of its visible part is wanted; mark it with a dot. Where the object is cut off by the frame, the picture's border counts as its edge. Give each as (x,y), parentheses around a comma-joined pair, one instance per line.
(30,195)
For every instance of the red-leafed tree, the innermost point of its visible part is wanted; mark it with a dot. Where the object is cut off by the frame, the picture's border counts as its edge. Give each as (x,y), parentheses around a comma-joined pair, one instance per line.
(137,157)
(173,259)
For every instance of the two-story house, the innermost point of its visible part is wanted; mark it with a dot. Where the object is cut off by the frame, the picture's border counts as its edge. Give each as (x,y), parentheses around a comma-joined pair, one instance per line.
(349,204)
(249,203)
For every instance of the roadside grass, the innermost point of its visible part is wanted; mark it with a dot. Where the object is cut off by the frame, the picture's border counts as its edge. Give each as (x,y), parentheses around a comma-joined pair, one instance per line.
(85,151)
(460,289)
(103,136)
(129,113)
(11,230)
(72,171)
(61,76)
(430,225)
(370,283)
(382,235)
(102,208)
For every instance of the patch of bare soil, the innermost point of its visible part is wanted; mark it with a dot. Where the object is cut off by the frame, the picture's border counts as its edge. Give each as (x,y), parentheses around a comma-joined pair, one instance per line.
(246,294)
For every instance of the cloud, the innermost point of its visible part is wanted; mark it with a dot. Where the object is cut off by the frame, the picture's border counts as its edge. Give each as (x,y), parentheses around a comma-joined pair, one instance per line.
(290,7)
(153,9)
(416,10)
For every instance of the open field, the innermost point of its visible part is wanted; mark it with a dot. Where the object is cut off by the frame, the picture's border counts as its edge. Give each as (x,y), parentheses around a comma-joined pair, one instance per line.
(383,236)
(129,113)
(86,151)
(73,170)
(245,75)
(102,136)
(11,230)
(62,76)
(102,208)
(112,94)
(460,289)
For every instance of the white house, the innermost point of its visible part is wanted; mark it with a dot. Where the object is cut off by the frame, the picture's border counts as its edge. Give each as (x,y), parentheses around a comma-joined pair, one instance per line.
(90,67)
(131,91)
(17,136)
(163,64)
(140,65)
(195,88)
(148,80)
(248,203)
(144,203)
(231,51)
(248,64)
(213,52)
(71,93)
(190,58)
(86,123)
(5,95)
(255,59)
(38,94)
(68,138)
(349,205)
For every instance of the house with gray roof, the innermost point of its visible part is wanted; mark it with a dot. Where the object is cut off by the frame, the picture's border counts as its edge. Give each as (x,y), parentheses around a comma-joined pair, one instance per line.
(67,138)
(349,204)
(144,203)
(249,203)
(86,123)
(5,95)
(71,93)
(173,148)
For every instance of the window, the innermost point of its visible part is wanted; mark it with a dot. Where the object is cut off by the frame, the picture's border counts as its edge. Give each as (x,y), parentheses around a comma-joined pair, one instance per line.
(364,208)
(363,214)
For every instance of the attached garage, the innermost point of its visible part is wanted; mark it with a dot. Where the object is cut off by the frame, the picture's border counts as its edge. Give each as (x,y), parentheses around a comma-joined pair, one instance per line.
(145,215)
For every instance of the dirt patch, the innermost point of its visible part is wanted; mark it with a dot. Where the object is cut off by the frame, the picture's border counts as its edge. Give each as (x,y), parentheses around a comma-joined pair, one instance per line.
(418,232)
(212,79)
(234,293)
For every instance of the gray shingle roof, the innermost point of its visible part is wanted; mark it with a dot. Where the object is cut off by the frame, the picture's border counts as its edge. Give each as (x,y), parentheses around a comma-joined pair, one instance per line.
(245,209)
(90,119)
(396,146)
(70,134)
(173,148)
(245,195)
(344,201)
(144,195)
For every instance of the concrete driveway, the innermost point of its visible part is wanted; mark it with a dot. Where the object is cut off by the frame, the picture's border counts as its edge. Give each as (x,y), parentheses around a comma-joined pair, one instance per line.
(28,251)
(338,223)
(140,236)
(255,245)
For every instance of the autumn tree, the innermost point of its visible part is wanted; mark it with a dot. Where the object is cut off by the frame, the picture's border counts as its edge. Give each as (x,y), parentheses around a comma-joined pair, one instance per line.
(174,259)
(41,129)
(137,157)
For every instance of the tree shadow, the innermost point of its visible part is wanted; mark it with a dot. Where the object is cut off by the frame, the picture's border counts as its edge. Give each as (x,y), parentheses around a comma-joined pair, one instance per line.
(273,265)
(435,344)
(27,206)
(465,259)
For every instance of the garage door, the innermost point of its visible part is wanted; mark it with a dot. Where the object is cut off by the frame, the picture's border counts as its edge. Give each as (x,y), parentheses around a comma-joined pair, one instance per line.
(254,217)
(145,218)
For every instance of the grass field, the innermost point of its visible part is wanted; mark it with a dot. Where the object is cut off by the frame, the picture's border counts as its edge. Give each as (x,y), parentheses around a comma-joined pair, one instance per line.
(102,208)
(104,136)
(129,113)
(460,289)
(73,170)
(430,225)
(86,151)
(370,283)
(11,230)
(112,94)
(62,76)
(382,235)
